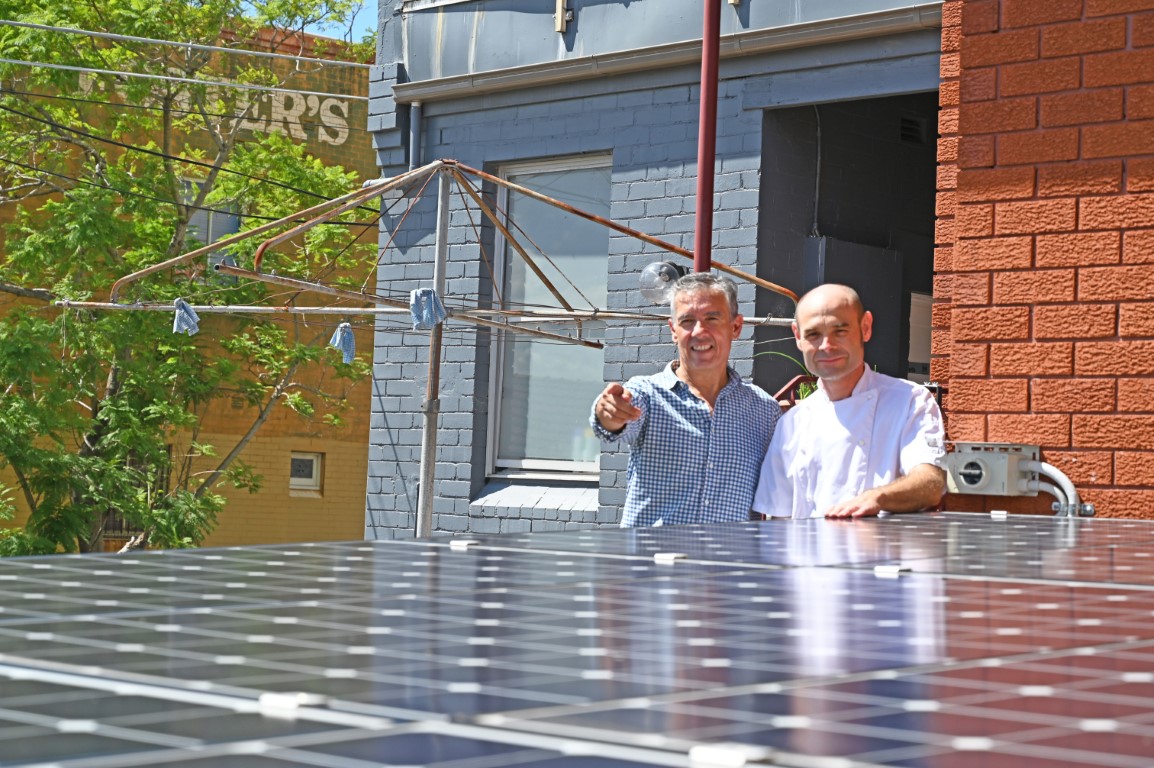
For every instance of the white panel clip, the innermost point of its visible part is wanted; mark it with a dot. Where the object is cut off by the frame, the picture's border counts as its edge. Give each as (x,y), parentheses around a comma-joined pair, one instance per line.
(292,700)
(729,755)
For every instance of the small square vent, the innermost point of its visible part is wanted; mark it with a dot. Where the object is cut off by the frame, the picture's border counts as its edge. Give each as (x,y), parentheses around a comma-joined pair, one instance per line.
(915,129)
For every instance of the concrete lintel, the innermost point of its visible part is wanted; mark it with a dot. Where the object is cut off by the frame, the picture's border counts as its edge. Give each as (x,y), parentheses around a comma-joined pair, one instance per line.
(871,79)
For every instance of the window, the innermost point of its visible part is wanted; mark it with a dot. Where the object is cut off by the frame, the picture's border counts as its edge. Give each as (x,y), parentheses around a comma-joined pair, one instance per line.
(542,390)
(306,471)
(209,223)
(921,306)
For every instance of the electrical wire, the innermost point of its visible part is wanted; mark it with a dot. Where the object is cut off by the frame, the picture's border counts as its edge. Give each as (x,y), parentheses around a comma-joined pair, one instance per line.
(171,78)
(166,156)
(141,195)
(173,110)
(187,46)
(126,146)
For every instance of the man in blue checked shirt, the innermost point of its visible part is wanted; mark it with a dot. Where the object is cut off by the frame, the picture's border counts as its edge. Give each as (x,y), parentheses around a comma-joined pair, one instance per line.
(696,431)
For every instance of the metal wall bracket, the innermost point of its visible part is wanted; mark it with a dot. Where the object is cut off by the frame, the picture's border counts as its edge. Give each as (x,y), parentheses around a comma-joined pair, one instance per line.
(562,17)
(1071,510)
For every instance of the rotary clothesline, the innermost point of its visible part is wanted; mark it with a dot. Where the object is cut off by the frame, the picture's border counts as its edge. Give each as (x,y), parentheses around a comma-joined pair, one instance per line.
(426,305)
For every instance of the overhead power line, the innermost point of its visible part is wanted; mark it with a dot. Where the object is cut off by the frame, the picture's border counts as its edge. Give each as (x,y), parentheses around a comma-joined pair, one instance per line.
(192,46)
(174,79)
(151,108)
(142,196)
(164,155)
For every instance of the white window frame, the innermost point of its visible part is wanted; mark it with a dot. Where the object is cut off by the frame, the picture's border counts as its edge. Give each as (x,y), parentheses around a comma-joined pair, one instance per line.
(312,484)
(527,469)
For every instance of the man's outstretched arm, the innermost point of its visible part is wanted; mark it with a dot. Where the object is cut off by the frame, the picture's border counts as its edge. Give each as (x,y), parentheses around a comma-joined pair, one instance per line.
(614,408)
(920,489)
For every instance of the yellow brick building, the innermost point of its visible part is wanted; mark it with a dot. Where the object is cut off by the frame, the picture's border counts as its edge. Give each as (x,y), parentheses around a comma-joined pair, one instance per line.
(326,498)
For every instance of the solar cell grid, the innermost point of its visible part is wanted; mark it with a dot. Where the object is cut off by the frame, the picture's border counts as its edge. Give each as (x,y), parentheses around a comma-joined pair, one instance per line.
(927,640)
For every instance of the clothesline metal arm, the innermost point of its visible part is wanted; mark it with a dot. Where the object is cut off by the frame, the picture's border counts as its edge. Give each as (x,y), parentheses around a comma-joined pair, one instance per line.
(304,285)
(376,189)
(621,228)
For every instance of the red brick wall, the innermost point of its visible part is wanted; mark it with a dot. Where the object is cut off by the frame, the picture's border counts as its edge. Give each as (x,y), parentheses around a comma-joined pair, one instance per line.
(1044,326)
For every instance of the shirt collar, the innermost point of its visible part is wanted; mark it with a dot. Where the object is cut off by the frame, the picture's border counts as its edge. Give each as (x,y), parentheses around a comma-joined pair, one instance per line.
(667,377)
(867,382)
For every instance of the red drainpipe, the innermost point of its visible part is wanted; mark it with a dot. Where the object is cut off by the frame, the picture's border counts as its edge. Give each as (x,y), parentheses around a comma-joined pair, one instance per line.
(707,136)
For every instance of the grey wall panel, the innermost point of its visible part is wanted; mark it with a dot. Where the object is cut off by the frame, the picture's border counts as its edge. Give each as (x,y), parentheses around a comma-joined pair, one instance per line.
(487,35)
(762,14)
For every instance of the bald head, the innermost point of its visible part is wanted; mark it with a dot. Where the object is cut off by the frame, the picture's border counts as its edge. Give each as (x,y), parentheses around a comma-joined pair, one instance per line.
(831,328)
(833,296)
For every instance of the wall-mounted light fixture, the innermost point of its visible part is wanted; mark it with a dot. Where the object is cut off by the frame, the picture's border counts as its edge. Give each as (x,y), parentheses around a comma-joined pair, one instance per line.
(657,281)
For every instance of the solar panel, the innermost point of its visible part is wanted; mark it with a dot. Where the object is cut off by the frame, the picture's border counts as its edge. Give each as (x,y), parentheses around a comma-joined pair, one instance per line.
(917,640)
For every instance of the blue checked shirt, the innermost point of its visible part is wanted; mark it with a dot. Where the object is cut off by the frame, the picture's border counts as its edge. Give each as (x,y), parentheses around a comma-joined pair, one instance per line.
(687,465)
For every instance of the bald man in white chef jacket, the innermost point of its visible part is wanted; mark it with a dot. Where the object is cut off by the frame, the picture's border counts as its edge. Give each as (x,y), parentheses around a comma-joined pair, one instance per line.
(863,442)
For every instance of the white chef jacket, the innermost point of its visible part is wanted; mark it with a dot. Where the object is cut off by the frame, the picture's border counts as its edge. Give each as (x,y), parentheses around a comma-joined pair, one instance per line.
(824,452)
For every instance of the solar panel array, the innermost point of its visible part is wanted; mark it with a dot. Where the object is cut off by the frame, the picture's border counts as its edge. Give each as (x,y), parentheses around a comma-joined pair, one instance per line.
(934,640)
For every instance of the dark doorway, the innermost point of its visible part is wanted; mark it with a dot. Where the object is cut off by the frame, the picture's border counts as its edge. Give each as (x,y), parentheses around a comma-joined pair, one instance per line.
(847,196)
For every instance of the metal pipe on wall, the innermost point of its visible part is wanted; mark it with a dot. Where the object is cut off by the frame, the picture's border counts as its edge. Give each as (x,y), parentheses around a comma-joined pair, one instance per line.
(707,136)
(432,405)
(415,114)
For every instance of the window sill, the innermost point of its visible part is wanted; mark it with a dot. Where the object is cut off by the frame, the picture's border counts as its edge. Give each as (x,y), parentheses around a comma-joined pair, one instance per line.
(541,475)
(304,493)
(503,494)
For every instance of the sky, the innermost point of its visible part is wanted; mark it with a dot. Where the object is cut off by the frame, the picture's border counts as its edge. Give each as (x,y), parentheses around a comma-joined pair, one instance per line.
(366,22)
(366,19)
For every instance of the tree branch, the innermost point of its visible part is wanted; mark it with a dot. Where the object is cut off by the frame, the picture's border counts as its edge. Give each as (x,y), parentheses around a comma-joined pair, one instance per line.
(28,293)
(26,489)
(266,409)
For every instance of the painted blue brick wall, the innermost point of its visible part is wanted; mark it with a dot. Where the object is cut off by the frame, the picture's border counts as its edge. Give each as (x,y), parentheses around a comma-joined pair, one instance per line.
(649,132)
(646,122)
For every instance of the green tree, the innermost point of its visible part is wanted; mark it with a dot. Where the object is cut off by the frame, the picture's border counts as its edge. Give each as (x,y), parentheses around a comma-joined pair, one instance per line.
(102,171)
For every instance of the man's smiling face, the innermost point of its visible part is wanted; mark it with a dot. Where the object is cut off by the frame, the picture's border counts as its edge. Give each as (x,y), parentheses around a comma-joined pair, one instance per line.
(831,331)
(703,328)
